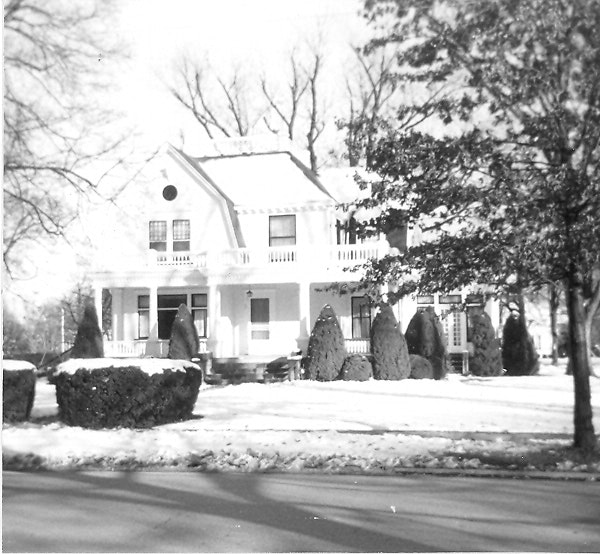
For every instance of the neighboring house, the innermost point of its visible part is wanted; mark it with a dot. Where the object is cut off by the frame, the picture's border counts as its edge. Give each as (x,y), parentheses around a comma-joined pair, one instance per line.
(249,240)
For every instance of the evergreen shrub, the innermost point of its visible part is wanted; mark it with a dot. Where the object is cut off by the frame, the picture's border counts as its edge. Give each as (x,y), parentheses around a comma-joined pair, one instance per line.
(126,395)
(486,359)
(388,347)
(357,367)
(519,355)
(18,393)
(425,337)
(88,341)
(326,348)
(184,343)
(420,368)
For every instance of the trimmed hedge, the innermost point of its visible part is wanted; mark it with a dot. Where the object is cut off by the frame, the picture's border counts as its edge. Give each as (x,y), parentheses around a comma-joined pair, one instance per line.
(18,394)
(126,396)
(420,368)
(486,360)
(425,337)
(184,343)
(390,354)
(88,341)
(326,348)
(357,367)
(519,356)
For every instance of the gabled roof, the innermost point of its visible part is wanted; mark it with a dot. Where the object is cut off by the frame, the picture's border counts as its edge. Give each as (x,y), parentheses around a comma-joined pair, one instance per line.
(263,180)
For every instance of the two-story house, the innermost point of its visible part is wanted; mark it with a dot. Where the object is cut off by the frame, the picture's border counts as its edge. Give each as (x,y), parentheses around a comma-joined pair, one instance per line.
(249,239)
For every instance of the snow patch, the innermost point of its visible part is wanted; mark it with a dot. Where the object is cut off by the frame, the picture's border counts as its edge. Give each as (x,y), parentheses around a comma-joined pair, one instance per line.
(151,366)
(17,365)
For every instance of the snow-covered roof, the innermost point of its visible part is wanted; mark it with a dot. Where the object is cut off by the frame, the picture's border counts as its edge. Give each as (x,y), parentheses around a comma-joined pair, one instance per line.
(273,179)
(342,185)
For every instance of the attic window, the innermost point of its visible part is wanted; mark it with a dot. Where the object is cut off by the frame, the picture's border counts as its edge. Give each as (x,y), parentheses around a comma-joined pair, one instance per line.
(170,192)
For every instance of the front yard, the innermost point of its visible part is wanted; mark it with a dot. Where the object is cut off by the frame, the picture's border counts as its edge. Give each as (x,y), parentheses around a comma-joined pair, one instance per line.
(461,423)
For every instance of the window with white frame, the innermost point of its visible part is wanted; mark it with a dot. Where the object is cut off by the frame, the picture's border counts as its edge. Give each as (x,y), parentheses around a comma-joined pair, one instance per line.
(282,230)
(181,235)
(157,235)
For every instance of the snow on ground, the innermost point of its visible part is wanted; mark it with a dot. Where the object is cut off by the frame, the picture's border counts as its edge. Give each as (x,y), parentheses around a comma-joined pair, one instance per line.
(461,422)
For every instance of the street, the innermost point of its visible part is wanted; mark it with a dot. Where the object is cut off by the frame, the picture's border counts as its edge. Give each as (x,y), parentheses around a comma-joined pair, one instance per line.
(99,511)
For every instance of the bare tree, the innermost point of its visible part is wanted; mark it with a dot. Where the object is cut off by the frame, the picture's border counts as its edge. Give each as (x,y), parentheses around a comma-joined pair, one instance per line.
(55,122)
(227,113)
(315,112)
(286,111)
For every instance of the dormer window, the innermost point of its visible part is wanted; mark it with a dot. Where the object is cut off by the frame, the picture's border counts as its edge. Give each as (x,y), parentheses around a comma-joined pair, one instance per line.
(282,230)
(157,235)
(181,235)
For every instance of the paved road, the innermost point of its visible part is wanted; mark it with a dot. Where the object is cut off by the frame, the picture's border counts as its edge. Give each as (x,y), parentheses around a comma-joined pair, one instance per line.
(199,512)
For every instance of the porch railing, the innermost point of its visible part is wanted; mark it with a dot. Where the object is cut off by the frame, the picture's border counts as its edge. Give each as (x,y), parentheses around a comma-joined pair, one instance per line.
(358,346)
(141,348)
(342,255)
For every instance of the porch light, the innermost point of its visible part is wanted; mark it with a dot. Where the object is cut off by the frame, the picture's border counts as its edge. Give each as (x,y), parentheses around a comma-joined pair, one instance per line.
(249,293)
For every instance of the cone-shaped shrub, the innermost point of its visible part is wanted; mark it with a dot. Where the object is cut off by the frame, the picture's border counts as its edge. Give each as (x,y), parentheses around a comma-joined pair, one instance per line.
(88,341)
(184,343)
(326,348)
(357,367)
(519,356)
(420,368)
(425,337)
(486,359)
(390,355)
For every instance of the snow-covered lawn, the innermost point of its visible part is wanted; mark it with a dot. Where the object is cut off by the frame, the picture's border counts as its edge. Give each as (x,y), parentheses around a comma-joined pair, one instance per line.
(374,426)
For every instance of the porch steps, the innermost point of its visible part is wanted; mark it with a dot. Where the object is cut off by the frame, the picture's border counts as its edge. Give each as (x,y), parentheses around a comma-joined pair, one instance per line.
(234,371)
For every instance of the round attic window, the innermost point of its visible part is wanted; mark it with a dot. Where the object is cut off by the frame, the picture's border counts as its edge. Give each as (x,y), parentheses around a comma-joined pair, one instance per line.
(170,193)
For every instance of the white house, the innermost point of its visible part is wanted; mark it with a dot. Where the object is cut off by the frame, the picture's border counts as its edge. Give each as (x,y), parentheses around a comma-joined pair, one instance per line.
(248,239)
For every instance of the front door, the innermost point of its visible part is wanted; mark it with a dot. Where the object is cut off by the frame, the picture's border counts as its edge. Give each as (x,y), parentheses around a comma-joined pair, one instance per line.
(259,339)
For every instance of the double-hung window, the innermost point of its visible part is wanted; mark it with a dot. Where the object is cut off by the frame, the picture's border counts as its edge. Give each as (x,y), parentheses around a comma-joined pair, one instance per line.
(282,230)
(361,317)
(157,235)
(181,235)
(200,313)
(143,316)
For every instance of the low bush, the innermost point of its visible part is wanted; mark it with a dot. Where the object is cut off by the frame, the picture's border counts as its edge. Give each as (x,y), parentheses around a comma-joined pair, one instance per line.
(126,393)
(18,390)
(486,359)
(357,367)
(425,337)
(390,354)
(326,348)
(420,368)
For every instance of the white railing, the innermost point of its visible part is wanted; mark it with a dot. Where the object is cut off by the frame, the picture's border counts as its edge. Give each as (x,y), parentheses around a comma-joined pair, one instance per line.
(342,255)
(141,348)
(358,346)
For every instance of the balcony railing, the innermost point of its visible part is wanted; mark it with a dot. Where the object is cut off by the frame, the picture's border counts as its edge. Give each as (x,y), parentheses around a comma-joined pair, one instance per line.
(358,346)
(330,256)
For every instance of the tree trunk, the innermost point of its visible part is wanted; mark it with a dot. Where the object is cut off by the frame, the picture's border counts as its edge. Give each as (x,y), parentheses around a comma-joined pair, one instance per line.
(554,303)
(590,311)
(584,438)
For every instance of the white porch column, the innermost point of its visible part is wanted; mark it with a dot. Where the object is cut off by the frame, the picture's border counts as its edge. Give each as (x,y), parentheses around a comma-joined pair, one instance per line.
(153,316)
(214,314)
(117,314)
(304,300)
(492,307)
(98,303)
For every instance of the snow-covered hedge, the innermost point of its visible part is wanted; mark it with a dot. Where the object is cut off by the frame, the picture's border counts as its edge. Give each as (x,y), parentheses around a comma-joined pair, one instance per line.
(18,382)
(105,392)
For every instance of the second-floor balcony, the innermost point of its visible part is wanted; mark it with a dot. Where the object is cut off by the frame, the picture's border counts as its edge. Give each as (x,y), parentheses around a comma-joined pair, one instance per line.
(330,256)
